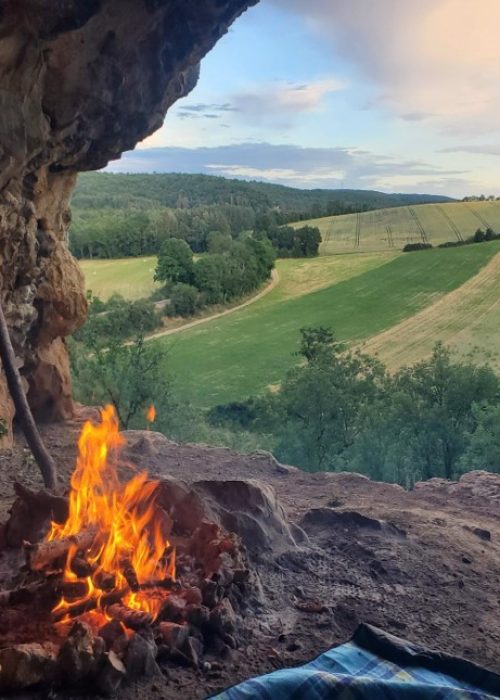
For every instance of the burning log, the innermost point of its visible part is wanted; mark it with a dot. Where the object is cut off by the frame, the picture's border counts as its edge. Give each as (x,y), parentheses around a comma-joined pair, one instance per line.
(134,619)
(104,581)
(73,590)
(84,606)
(130,575)
(81,568)
(40,555)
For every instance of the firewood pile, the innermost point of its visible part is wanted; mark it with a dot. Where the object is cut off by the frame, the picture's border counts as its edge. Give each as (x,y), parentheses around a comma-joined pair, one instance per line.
(86,607)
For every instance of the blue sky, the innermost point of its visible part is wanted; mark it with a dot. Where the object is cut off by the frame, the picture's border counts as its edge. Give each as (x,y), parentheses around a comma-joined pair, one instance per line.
(389,95)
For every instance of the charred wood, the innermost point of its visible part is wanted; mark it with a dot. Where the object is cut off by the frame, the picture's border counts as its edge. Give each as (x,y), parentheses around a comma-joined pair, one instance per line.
(40,555)
(134,619)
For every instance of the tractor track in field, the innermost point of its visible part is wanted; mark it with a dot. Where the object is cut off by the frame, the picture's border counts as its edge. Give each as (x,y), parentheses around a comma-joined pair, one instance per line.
(390,237)
(275,278)
(451,223)
(479,217)
(418,224)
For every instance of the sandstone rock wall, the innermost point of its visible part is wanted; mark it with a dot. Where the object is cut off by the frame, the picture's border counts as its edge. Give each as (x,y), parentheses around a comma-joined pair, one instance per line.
(80,82)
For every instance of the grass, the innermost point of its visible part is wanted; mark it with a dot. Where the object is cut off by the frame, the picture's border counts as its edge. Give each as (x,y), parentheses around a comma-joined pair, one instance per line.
(130,277)
(242,354)
(387,229)
(467,320)
(133,277)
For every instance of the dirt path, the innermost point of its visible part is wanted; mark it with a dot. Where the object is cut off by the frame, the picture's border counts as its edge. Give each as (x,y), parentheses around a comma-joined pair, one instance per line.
(460,318)
(275,278)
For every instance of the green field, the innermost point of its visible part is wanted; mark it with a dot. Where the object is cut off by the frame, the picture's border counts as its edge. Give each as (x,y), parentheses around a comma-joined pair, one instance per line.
(467,320)
(243,353)
(384,229)
(130,277)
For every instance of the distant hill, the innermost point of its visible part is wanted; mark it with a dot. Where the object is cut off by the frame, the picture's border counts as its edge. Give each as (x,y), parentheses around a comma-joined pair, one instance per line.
(394,227)
(137,191)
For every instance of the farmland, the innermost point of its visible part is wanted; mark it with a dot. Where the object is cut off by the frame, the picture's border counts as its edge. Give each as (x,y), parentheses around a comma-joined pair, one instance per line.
(249,350)
(467,320)
(391,229)
(130,277)
(395,305)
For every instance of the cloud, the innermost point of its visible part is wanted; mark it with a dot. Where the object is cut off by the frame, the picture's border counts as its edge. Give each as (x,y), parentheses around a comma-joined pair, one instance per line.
(480,149)
(437,60)
(205,110)
(281,103)
(276,104)
(296,166)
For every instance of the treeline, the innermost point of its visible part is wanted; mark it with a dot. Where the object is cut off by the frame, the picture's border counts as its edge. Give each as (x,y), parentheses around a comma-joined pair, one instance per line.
(290,242)
(186,191)
(341,410)
(336,410)
(110,233)
(481,198)
(480,236)
(132,215)
(231,270)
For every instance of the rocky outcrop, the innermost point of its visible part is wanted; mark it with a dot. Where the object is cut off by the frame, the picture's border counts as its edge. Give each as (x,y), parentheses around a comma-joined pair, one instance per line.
(80,82)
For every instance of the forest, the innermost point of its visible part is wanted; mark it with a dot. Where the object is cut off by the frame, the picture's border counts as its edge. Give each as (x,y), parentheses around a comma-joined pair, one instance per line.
(129,215)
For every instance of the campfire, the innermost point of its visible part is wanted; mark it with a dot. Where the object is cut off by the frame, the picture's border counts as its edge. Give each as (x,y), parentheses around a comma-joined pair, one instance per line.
(116,538)
(128,574)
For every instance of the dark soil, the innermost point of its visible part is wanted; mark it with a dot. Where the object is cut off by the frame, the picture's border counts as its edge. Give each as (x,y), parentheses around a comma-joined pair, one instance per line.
(423,564)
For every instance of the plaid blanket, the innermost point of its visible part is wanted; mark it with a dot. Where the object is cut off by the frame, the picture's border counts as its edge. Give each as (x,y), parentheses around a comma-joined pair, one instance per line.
(373,666)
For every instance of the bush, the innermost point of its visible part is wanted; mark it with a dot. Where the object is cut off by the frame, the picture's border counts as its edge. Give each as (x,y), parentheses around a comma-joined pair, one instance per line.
(118,318)
(411,247)
(184,300)
(131,377)
(235,414)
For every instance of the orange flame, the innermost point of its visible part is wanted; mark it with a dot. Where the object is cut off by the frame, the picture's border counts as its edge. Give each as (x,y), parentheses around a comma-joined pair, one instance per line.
(129,525)
(151,414)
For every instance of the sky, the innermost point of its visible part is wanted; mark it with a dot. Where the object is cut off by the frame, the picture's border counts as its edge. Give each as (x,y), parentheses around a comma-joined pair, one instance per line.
(393,95)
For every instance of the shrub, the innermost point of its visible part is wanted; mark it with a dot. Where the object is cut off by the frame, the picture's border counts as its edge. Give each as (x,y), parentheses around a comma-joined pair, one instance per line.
(411,247)
(184,300)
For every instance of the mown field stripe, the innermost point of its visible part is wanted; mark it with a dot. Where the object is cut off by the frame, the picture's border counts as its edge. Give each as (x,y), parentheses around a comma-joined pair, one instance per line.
(459,319)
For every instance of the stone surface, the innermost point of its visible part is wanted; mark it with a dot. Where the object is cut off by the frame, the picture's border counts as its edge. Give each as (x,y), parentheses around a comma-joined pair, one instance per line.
(79,656)
(141,656)
(80,83)
(27,664)
(111,675)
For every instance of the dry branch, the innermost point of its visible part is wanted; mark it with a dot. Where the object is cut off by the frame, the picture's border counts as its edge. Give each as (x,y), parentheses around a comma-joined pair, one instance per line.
(23,412)
(40,555)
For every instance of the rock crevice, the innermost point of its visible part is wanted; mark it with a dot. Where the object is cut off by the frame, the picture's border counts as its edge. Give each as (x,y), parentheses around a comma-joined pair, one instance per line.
(80,82)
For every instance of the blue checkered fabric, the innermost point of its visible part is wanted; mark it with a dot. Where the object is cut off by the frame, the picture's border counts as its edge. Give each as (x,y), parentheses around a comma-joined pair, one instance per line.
(350,672)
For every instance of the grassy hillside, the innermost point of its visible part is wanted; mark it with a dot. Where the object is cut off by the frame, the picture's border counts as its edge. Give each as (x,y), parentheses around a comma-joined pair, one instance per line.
(468,320)
(386,229)
(120,191)
(130,277)
(233,357)
(133,277)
